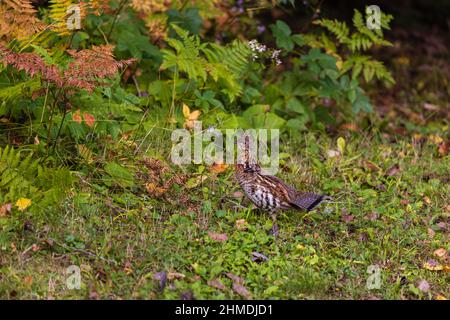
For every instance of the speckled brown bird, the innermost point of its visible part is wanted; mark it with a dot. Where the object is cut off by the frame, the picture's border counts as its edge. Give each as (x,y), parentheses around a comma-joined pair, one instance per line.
(270,193)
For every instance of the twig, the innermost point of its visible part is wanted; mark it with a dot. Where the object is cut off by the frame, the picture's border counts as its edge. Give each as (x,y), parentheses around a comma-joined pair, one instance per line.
(88,253)
(121,5)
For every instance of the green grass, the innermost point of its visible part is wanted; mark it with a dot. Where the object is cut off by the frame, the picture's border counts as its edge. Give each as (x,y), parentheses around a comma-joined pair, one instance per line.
(121,236)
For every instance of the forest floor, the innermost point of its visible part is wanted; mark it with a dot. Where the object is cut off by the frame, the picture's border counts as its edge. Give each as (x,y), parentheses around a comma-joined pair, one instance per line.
(185,236)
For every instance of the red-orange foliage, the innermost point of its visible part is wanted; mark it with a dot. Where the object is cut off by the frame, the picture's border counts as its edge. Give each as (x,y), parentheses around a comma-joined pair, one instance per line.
(84,72)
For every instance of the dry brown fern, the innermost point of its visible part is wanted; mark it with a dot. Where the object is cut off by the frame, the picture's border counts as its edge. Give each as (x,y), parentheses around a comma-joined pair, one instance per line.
(18,20)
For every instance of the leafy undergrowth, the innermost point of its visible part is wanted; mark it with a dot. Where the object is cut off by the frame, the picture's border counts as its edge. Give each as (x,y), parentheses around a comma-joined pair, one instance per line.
(142,228)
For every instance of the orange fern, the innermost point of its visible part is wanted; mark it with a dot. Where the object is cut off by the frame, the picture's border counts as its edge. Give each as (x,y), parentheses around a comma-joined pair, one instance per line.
(18,20)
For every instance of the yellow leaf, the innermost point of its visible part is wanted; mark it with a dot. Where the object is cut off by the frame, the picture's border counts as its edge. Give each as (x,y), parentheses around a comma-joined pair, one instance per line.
(440,297)
(341,145)
(189,116)
(186,111)
(154,190)
(23,203)
(194,115)
(435,139)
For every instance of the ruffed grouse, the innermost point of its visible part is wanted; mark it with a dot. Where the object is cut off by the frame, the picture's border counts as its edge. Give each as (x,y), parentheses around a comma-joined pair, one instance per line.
(270,193)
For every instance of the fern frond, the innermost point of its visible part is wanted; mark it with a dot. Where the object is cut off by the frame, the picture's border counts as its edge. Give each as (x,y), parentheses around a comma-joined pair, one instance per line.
(18,20)
(339,29)
(224,64)
(369,68)
(26,177)
(63,10)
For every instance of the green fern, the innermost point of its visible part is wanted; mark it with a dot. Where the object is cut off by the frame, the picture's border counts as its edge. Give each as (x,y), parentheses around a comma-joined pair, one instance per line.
(359,40)
(226,65)
(337,28)
(25,177)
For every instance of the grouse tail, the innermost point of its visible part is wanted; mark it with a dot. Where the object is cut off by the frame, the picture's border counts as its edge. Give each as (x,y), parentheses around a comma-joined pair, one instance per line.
(308,200)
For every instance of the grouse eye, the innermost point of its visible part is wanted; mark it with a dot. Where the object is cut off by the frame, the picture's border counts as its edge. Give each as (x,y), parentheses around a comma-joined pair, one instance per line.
(248,168)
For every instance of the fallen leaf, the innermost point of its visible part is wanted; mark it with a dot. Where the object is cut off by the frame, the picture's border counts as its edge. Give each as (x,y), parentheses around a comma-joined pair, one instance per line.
(241,290)
(240,194)
(28,281)
(392,171)
(441,253)
(23,203)
(221,237)
(93,295)
(443,148)
(241,224)
(418,137)
(187,295)
(430,107)
(218,167)
(372,216)
(350,127)
(442,225)
(36,140)
(440,297)
(175,275)
(235,278)
(427,200)
(333,153)
(424,286)
(162,278)
(258,257)
(128,269)
(431,233)
(5,209)
(89,119)
(433,265)
(347,218)
(371,166)
(154,190)
(216,283)
(435,139)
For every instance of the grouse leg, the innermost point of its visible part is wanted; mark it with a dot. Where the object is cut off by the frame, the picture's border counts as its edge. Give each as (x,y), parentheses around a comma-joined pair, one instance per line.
(274,230)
